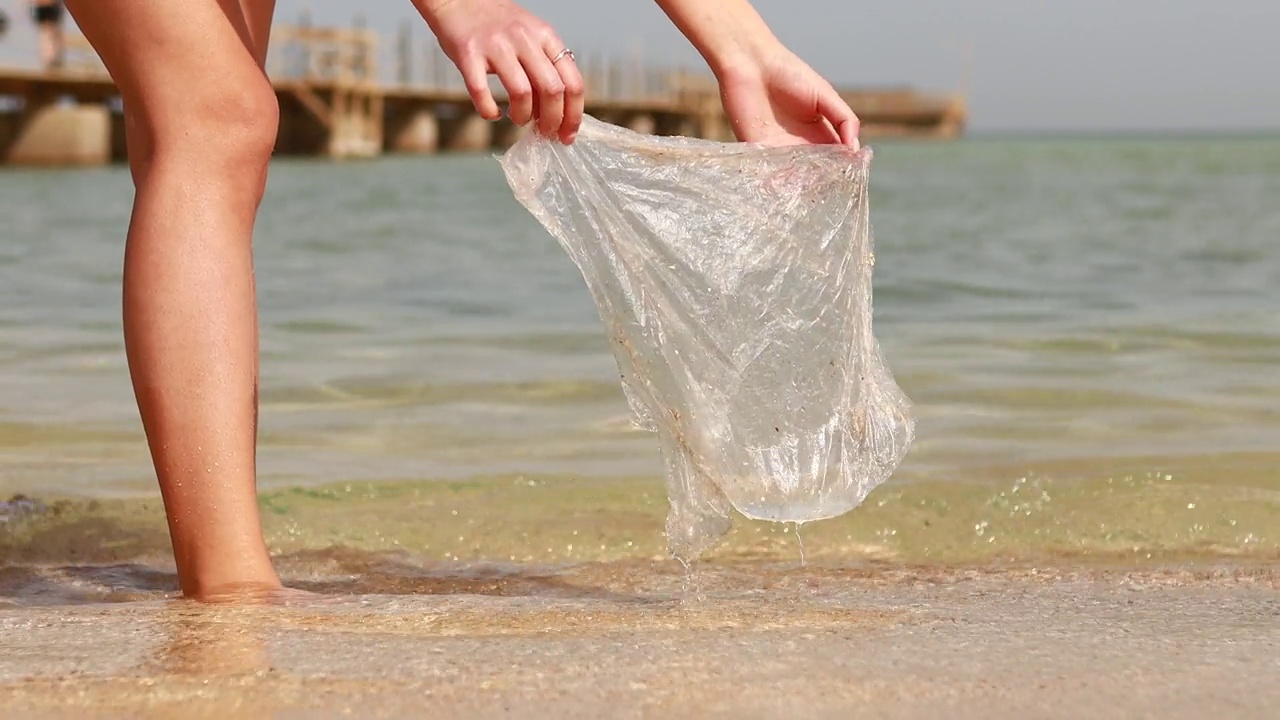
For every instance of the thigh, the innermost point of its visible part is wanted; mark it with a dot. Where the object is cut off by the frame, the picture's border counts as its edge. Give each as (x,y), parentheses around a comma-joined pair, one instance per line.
(167,56)
(257,16)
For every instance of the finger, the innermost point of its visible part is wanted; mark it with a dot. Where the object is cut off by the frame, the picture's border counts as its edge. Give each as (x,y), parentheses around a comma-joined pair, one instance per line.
(548,89)
(571,77)
(825,132)
(517,82)
(475,75)
(574,99)
(841,117)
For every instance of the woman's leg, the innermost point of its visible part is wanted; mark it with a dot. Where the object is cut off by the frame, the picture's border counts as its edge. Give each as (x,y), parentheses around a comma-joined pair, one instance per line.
(202,127)
(257,16)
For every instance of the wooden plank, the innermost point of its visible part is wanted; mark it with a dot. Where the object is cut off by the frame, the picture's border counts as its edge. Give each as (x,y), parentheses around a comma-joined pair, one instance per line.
(309,99)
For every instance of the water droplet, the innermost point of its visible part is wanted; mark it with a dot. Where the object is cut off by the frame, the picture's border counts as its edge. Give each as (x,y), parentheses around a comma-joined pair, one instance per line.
(800,542)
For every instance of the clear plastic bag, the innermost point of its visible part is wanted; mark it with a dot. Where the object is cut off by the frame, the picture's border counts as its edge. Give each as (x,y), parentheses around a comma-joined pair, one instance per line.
(735,285)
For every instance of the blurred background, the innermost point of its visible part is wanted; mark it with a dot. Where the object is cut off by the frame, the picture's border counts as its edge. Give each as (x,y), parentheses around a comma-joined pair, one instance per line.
(1088,64)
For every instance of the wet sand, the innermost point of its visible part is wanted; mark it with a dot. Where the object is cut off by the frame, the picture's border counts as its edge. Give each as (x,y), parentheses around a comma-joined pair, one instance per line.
(1134,594)
(634,639)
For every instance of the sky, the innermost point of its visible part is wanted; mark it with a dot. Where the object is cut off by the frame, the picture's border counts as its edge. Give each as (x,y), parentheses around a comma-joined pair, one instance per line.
(1023,65)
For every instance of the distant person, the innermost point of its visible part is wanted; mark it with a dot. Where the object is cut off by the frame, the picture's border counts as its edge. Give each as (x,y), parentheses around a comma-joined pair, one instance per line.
(201,119)
(48,18)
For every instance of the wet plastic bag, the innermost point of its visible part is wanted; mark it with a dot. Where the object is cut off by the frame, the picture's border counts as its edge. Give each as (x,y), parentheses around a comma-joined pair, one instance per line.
(735,284)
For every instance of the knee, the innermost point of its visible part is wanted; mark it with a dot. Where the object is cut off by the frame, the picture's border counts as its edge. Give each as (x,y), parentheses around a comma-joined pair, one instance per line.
(229,127)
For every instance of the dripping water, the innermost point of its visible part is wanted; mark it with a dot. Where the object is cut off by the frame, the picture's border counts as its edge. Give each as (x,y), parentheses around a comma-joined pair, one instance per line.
(800,542)
(690,588)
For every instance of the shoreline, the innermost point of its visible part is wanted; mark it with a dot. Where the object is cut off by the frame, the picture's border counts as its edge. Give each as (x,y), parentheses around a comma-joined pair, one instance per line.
(553,597)
(1226,509)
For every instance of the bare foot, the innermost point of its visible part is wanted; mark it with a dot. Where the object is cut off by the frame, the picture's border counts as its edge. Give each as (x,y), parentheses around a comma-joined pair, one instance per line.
(255,594)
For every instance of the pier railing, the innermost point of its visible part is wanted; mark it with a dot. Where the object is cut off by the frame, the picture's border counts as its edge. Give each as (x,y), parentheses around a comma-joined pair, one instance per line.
(344,93)
(303,52)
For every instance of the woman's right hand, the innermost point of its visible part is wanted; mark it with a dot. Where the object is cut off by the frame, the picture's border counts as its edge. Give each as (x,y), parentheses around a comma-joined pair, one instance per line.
(500,37)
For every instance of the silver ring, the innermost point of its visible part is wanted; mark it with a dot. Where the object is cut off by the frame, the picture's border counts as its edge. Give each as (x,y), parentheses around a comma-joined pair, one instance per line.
(562,54)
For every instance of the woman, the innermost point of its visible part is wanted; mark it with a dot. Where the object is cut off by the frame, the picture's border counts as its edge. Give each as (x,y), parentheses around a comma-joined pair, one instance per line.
(200,124)
(47,15)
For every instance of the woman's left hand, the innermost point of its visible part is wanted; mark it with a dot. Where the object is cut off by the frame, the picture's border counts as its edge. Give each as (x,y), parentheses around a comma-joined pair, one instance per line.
(779,100)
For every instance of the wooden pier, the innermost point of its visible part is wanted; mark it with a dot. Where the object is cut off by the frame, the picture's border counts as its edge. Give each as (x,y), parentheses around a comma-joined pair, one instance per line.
(334,104)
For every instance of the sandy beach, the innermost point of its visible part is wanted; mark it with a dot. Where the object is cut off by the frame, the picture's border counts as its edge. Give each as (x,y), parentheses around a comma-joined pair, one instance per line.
(750,642)
(521,597)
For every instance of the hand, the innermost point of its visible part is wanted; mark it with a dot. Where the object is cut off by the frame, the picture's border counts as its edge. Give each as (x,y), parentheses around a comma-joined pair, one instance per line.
(497,36)
(779,100)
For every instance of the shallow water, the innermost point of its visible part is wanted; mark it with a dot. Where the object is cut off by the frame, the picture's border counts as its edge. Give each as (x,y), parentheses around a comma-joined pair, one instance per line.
(1087,328)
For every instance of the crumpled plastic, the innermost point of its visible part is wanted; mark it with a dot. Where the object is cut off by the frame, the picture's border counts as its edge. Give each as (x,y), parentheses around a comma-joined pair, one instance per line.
(734,281)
